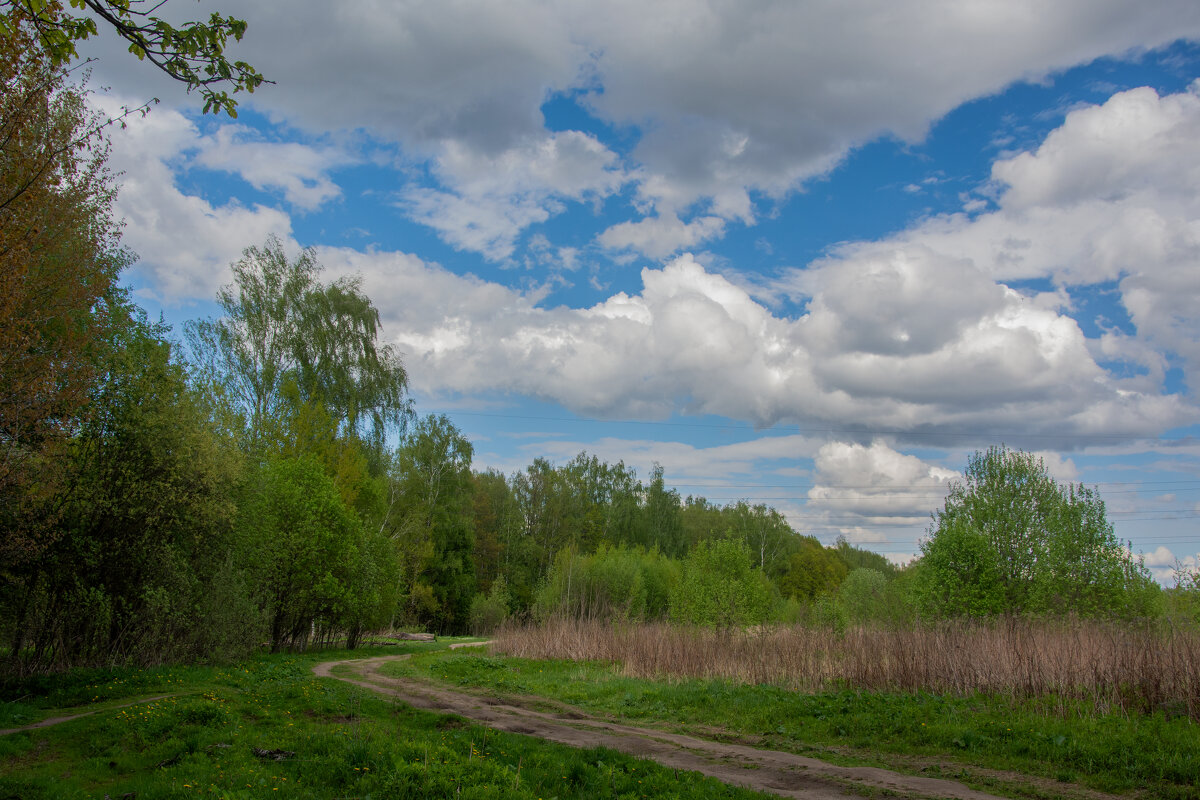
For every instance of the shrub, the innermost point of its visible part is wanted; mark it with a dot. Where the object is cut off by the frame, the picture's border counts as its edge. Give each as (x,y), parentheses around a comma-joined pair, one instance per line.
(720,588)
(488,612)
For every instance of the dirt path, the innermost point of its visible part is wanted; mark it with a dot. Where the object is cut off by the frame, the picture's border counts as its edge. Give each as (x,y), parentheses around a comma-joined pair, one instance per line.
(785,774)
(46,723)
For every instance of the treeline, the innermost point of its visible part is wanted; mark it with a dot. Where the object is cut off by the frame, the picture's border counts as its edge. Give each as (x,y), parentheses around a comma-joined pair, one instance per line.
(589,539)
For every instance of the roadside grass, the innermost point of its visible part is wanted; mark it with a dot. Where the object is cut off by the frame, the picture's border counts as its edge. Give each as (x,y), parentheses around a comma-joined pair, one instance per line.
(978,738)
(221,733)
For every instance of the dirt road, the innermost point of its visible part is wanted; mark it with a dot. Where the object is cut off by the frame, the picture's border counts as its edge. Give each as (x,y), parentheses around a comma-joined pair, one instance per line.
(49,721)
(784,774)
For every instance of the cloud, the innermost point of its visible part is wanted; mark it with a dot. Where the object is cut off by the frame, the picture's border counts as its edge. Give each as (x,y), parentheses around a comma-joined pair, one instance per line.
(492,198)
(859,486)
(1107,197)
(185,243)
(660,236)
(718,101)
(917,334)
(299,171)
(693,341)
(717,467)
(1162,564)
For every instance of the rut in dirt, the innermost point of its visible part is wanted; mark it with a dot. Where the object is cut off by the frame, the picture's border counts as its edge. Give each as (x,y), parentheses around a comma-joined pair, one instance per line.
(775,772)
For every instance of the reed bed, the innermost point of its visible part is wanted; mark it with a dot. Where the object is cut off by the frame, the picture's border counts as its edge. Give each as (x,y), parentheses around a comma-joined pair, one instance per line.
(1111,666)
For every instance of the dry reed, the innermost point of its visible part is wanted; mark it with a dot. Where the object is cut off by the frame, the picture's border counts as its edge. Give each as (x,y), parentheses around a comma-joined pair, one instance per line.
(1111,666)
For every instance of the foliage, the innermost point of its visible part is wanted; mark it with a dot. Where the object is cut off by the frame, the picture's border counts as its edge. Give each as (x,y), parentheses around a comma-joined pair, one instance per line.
(283,328)
(1010,539)
(490,611)
(856,557)
(433,531)
(193,54)
(302,545)
(59,257)
(145,525)
(719,587)
(662,521)
(1182,601)
(497,522)
(766,533)
(812,570)
(862,594)
(614,583)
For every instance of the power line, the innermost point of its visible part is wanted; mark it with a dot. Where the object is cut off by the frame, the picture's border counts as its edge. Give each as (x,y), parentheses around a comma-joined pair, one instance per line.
(722,485)
(815,429)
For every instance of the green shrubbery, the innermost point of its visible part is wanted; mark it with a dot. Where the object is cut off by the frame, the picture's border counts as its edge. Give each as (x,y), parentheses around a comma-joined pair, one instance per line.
(617,583)
(1011,540)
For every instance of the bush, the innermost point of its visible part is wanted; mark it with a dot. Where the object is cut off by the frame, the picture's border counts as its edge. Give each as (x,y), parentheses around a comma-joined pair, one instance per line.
(488,612)
(720,588)
(862,595)
(626,583)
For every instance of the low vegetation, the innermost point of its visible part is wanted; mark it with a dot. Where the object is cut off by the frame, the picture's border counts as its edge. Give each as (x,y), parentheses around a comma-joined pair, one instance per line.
(1003,742)
(267,727)
(1102,666)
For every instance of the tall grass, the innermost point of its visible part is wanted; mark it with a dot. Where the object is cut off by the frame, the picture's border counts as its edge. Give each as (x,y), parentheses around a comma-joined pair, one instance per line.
(1112,666)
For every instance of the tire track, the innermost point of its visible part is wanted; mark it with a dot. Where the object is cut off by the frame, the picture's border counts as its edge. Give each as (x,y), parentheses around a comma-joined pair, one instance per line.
(783,774)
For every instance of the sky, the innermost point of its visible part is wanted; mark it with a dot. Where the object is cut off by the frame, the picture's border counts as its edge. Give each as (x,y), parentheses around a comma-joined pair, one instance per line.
(812,255)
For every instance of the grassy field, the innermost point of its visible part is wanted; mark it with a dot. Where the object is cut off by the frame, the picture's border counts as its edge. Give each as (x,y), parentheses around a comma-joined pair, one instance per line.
(1033,747)
(220,732)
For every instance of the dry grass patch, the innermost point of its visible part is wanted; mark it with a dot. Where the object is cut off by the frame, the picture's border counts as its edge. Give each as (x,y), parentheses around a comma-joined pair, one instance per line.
(1113,666)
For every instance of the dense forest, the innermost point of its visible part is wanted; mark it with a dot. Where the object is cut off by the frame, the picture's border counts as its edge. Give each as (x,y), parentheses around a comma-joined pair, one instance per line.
(262,477)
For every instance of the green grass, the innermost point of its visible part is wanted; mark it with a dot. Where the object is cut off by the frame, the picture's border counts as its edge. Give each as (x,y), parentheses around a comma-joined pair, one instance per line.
(346,742)
(968,738)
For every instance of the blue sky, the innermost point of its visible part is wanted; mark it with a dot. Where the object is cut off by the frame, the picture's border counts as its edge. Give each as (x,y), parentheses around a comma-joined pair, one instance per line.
(811,255)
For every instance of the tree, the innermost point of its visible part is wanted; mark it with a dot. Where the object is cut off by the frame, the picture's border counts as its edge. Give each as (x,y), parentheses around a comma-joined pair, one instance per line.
(811,571)
(856,557)
(661,517)
(497,520)
(1011,539)
(146,511)
(720,587)
(59,256)
(193,54)
(283,327)
(765,532)
(433,473)
(863,594)
(303,547)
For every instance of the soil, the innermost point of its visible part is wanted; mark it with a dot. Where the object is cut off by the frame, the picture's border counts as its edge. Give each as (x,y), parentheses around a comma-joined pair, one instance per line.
(772,771)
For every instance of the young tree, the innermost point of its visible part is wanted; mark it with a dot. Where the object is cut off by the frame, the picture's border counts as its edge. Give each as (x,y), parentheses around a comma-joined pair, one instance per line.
(1010,539)
(283,327)
(811,571)
(767,534)
(662,519)
(433,473)
(720,587)
(145,519)
(497,521)
(303,547)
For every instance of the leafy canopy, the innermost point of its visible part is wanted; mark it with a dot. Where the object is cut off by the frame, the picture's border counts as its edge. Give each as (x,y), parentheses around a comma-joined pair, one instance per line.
(1012,540)
(193,53)
(285,333)
(60,255)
